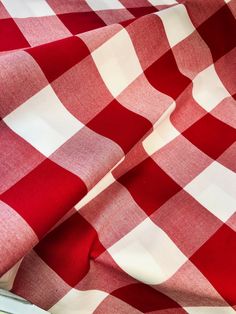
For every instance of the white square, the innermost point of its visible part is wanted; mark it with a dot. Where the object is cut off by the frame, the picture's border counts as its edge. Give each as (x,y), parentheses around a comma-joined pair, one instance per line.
(28,8)
(147,254)
(208,90)
(161,2)
(76,301)
(117,62)
(209,310)
(7,280)
(163,133)
(177,23)
(43,121)
(215,189)
(105,4)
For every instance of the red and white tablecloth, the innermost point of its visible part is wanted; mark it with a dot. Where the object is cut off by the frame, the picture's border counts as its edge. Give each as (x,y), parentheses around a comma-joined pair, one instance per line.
(118,155)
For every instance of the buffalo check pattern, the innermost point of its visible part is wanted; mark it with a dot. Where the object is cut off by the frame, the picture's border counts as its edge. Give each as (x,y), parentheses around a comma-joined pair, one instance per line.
(118,156)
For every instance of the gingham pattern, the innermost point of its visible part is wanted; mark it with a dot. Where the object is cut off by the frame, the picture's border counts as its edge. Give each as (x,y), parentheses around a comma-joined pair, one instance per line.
(118,156)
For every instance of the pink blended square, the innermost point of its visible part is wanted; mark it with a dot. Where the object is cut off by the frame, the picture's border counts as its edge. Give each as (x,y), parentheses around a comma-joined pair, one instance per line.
(42,30)
(95,38)
(88,155)
(228,157)
(25,157)
(225,111)
(113,213)
(197,15)
(17,237)
(186,222)
(189,287)
(82,90)
(231,222)
(187,111)
(61,7)
(190,64)
(224,70)
(3,12)
(181,160)
(114,16)
(156,43)
(37,282)
(104,274)
(21,79)
(140,97)
(135,3)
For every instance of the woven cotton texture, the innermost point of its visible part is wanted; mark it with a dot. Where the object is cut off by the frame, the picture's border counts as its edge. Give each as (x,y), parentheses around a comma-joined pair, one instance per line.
(118,155)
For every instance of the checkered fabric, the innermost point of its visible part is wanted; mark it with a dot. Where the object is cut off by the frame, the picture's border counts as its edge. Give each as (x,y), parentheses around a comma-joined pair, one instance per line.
(118,155)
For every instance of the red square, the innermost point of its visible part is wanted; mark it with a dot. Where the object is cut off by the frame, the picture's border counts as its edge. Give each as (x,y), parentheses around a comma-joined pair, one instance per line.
(211,135)
(120,125)
(146,299)
(69,248)
(165,76)
(219,32)
(126,23)
(216,259)
(149,185)
(80,22)
(10,36)
(44,195)
(57,57)
(135,4)
(138,12)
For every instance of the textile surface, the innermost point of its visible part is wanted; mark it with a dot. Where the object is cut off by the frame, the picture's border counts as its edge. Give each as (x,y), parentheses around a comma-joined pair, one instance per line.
(118,155)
